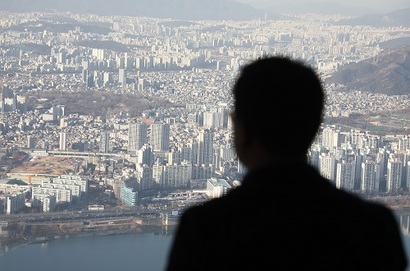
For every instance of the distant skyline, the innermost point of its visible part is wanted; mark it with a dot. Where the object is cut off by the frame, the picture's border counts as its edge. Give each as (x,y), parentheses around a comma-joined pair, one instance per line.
(209,9)
(358,7)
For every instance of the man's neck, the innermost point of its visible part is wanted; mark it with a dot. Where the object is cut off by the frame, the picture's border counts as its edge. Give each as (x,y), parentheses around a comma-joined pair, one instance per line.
(276,159)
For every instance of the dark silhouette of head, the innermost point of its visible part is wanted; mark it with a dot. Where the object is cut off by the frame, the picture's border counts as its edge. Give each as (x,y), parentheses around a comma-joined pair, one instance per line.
(279,102)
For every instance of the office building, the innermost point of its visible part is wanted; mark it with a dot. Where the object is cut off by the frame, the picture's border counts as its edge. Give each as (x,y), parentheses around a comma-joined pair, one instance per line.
(129,196)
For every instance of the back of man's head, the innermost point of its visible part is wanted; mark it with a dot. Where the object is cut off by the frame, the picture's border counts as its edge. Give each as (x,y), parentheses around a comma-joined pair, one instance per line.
(280,102)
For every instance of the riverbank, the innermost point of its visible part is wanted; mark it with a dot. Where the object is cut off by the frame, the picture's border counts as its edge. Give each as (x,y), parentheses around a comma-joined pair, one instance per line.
(8,244)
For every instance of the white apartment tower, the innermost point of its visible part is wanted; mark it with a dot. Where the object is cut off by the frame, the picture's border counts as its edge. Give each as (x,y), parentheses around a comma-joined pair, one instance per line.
(122,77)
(345,173)
(31,142)
(313,158)
(404,143)
(172,176)
(63,141)
(107,78)
(394,174)
(330,137)
(370,177)
(327,166)
(208,118)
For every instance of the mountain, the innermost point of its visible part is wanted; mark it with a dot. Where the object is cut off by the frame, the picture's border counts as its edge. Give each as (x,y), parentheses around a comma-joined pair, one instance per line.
(394,43)
(174,9)
(388,73)
(399,17)
(327,8)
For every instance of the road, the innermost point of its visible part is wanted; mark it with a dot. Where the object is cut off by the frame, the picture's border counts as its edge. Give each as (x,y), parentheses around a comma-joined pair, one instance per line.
(71,216)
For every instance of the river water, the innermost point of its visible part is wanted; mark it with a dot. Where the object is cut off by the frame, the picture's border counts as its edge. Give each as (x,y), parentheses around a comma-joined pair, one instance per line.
(145,252)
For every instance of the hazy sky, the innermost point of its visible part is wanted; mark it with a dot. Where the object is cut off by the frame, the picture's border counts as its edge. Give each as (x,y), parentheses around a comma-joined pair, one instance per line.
(372,6)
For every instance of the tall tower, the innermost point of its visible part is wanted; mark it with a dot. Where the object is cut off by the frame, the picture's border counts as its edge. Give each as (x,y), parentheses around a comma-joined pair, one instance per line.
(137,136)
(394,173)
(206,147)
(63,141)
(330,137)
(105,142)
(327,166)
(194,147)
(407,179)
(107,78)
(122,77)
(30,142)
(382,158)
(345,173)
(145,155)
(144,177)
(88,78)
(313,158)
(208,119)
(404,143)
(370,177)
(2,96)
(159,138)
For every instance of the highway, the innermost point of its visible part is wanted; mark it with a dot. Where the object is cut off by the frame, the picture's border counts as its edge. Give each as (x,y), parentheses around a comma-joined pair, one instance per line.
(71,216)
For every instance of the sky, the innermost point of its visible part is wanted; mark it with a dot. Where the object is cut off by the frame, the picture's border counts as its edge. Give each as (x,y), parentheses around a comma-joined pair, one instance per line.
(363,6)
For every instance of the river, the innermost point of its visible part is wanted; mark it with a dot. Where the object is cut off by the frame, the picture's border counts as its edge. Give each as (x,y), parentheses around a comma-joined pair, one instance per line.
(145,252)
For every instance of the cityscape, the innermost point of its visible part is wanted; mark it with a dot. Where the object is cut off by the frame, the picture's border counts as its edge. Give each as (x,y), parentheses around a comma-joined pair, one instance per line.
(108,117)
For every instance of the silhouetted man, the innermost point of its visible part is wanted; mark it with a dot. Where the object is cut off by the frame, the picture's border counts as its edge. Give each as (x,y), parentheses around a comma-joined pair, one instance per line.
(284,216)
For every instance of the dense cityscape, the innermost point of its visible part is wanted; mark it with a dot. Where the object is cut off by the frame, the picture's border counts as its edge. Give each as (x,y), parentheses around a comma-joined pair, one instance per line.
(167,144)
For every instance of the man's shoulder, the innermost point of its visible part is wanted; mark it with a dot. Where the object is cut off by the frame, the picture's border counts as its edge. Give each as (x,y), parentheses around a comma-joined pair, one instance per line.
(357,202)
(210,207)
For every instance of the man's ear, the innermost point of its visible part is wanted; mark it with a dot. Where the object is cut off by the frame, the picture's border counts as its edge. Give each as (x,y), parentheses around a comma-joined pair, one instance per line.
(243,144)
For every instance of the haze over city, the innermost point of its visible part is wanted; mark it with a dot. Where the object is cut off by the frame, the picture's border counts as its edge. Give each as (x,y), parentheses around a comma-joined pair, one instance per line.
(330,6)
(120,121)
(209,9)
